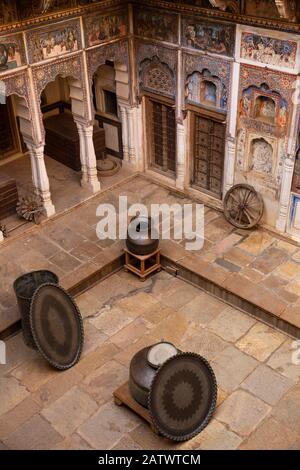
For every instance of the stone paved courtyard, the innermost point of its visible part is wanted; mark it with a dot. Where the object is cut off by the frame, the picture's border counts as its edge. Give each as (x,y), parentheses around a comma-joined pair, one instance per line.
(254,263)
(259,388)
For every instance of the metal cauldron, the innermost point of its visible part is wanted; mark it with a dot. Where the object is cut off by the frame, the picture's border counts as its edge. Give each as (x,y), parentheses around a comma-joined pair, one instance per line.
(141,243)
(143,368)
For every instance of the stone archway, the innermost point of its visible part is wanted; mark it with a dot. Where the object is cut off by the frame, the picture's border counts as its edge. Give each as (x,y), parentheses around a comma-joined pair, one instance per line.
(73,70)
(18,85)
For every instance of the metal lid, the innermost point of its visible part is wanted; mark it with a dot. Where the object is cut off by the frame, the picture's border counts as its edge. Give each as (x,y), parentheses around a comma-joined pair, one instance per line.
(160,353)
(56,326)
(183,396)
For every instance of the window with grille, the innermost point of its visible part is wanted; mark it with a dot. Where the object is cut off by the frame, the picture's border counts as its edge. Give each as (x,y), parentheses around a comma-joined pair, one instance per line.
(163,137)
(208,155)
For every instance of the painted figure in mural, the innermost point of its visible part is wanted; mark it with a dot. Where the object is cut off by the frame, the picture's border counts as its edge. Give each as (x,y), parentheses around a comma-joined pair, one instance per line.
(150,24)
(265,109)
(105,27)
(214,38)
(245,104)
(208,93)
(262,155)
(3,57)
(268,50)
(282,118)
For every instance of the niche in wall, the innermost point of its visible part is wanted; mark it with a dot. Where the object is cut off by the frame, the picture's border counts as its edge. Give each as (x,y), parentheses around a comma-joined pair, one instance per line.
(206,89)
(265,109)
(261,153)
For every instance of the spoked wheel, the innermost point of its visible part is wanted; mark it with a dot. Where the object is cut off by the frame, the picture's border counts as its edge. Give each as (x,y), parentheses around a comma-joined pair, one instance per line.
(243,206)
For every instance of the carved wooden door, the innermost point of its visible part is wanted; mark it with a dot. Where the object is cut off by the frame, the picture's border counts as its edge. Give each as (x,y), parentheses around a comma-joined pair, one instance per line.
(208,155)
(162,137)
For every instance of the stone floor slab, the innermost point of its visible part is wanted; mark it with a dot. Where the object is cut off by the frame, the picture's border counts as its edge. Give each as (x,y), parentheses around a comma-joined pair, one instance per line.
(232,367)
(34,434)
(270,435)
(231,324)
(287,410)
(11,393)
(261,341)
(101,383)
(107,426)
(242,412)
(70,411)
(282,360)
(267,385)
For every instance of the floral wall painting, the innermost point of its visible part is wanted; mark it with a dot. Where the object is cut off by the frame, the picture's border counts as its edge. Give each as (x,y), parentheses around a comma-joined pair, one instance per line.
(12,53)
(268,51)
(99,28)
(205,36)
(152,25)
(49,43)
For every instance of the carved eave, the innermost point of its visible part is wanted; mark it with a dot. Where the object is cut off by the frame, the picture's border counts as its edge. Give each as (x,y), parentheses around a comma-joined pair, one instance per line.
(216,14)
(59,15)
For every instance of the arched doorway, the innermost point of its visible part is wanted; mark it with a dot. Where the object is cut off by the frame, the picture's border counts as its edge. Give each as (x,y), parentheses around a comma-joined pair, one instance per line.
(68,134)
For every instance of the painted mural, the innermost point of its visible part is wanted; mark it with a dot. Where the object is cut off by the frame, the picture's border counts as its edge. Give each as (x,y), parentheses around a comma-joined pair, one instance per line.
(150,24)
(268,50)
(99,28)
(53,42)
(210,37)
(12,52)
(264,107)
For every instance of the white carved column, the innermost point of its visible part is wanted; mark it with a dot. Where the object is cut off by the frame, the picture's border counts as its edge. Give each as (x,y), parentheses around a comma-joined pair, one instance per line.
(230,147)
(90,175)
(180,127)
(230,153)
(287,177)
(40,178)
(180,164)
(139,139)
(84,176)
(124,133)
(131,135)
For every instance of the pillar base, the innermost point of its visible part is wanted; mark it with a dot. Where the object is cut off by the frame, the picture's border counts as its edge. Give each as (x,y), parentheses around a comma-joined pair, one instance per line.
(92,186)
(48,209)
(281,225)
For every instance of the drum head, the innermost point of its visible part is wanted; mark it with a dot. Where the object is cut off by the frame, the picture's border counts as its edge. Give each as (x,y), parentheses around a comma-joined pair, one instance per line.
(183,396)
(56,326)
(160,353)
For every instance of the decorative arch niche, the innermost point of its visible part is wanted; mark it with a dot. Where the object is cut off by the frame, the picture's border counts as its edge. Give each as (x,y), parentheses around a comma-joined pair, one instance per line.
(264,105)
(205,89)
(157,76)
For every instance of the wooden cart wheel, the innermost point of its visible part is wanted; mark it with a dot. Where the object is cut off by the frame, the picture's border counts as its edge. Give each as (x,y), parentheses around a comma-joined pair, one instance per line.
(243,206)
